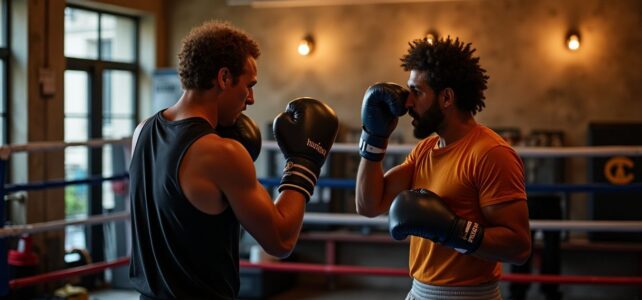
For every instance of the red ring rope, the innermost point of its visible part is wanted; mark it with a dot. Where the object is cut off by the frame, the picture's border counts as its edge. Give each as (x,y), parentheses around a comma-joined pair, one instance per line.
(71,272)
(330,269)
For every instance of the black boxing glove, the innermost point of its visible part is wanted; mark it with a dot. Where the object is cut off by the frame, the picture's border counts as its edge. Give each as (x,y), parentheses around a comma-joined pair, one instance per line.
(422,213)
(383,104)
(245,132)
(305,133)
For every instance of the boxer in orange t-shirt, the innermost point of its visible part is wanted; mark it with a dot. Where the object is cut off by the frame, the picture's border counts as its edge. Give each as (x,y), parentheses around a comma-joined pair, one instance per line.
(460,193)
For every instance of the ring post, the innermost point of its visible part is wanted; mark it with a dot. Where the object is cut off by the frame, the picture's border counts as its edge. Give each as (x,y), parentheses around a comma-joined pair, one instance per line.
(4,266)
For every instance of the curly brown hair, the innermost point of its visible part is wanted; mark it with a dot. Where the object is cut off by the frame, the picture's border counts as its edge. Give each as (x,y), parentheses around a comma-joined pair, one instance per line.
(210,47)
(450,64)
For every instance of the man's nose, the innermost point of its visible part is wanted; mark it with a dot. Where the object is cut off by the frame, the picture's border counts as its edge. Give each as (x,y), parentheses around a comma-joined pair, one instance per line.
(250,99)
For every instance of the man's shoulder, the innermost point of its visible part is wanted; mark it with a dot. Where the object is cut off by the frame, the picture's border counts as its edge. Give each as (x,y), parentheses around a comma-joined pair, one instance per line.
(489,137)
(212,143)
(211,151)
(487,140)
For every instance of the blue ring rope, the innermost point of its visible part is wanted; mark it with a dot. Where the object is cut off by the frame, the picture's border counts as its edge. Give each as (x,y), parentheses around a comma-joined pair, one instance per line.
(334,183)
(60,183)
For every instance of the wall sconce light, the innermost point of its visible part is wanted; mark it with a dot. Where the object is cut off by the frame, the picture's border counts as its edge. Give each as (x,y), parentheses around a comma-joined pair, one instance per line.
(306,46)
(431,36)
(573,40)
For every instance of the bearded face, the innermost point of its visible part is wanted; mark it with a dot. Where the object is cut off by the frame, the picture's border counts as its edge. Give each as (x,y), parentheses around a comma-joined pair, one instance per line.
(428,123)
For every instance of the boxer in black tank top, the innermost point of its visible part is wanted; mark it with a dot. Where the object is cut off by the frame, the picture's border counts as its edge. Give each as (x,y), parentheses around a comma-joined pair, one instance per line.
(193,181)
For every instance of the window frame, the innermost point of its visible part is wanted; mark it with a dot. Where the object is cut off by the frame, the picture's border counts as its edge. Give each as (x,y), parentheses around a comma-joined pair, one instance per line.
(95,69)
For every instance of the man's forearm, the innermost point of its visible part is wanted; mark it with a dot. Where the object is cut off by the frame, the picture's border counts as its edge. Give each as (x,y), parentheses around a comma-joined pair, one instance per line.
(369,189)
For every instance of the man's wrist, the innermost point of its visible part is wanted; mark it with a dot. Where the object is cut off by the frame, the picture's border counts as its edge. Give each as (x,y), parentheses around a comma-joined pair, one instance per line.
(299,175)
(372,147)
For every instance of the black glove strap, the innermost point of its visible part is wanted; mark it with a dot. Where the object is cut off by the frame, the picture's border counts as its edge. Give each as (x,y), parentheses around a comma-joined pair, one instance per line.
(300,175)
(467,237)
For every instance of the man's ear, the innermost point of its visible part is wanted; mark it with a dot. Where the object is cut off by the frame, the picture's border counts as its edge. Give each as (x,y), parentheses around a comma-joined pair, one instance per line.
(224,78)
(448,97)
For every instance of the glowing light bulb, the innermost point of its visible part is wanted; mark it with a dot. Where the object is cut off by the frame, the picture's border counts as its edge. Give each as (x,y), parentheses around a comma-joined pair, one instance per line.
(573,42)
(304,48)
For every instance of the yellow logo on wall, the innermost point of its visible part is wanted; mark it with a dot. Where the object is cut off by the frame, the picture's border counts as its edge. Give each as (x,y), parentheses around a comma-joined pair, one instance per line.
(618,170)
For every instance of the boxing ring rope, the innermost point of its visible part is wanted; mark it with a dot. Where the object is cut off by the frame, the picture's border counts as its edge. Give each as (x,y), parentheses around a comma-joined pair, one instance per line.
(329,270)
(66,273)
(323,218)
(7,150)
(294,267)
(16,230)
(573,225)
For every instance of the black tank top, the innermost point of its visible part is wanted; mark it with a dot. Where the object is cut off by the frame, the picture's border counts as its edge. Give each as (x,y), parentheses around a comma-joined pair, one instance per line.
(178,251)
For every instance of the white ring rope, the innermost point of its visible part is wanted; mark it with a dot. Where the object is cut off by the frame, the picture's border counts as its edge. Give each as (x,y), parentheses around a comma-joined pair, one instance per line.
(6,151)
(335,219)
(357,220)
(17,230)
(592,151)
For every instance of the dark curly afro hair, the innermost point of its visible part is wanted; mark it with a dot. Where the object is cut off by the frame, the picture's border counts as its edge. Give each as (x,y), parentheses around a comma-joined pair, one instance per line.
(450,64)
(210,47)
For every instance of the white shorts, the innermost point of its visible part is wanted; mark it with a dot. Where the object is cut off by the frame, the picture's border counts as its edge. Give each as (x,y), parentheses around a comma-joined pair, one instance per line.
(421,291)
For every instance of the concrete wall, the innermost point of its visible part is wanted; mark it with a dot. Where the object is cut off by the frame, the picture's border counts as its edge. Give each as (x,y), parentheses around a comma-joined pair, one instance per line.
(535,82)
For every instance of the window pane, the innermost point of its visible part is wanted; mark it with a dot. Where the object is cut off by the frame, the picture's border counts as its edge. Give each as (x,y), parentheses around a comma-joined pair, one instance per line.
(76,129)
(81,33)
(118,122)
(76,158)
(76,93)
(118,95)
(118,103)
(76,196)
(76,166)
(108,170)
(117,35)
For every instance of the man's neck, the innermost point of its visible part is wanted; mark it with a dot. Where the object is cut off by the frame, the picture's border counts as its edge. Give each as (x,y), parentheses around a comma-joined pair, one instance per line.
(455,128)
(195,103)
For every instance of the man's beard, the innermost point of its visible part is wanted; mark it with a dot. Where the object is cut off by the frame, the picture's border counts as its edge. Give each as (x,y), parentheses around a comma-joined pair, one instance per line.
(428,123)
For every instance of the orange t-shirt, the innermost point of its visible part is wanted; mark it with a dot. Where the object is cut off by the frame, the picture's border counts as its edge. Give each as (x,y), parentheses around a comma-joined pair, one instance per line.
(478,170)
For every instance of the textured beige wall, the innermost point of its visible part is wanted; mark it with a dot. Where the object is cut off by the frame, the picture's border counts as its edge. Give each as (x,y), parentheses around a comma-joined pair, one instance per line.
(536,83)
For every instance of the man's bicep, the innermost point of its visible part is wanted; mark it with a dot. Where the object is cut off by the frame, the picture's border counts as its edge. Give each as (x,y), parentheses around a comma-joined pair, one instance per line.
(396,180)
(249,200)
(512,215)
